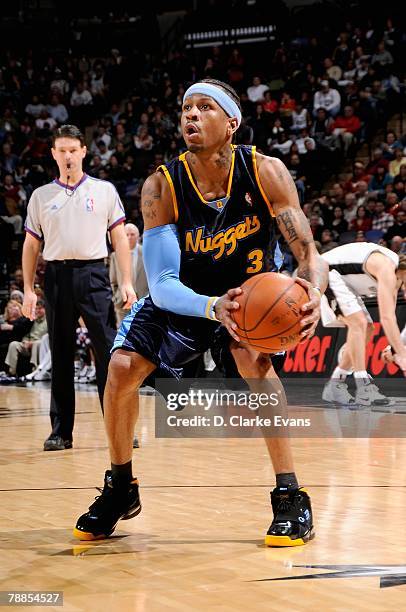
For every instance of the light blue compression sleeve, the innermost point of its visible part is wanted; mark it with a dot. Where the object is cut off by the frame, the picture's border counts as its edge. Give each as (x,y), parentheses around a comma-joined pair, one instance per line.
(161,253)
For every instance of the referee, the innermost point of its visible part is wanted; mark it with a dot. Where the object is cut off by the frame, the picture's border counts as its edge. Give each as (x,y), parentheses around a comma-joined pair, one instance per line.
(72,215)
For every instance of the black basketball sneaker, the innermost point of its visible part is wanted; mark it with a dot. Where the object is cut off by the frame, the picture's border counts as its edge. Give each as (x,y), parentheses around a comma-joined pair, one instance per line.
(293,519)
(114,504)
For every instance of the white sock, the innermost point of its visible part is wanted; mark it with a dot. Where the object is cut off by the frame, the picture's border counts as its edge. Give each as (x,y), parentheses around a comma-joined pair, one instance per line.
(361,374)
(340,374)
(361,377)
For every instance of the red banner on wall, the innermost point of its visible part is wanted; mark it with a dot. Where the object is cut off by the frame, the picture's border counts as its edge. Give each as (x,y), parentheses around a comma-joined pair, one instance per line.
(311,357)
(318,356)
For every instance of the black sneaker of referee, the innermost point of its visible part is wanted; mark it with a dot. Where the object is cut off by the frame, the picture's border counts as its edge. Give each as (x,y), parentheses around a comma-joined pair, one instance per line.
(116,502)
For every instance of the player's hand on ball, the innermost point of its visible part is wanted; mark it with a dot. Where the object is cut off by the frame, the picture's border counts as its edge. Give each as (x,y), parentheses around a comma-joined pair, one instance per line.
(311,309)
(223,308)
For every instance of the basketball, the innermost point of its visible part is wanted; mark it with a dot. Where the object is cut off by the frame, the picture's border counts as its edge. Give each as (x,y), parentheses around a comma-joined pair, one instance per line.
(269,315)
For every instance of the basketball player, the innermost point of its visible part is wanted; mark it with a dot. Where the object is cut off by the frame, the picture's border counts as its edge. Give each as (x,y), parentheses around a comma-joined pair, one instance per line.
(209,218)
(358,270)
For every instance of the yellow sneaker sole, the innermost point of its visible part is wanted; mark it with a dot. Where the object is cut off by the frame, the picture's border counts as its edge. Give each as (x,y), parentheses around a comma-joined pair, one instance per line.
(285,541)
(85,535)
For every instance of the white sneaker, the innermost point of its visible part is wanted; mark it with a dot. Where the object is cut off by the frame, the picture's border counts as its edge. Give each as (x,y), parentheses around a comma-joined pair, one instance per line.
(336,392)
(368,394)
(91,374)
(82,376)
(40,375)
(78,366)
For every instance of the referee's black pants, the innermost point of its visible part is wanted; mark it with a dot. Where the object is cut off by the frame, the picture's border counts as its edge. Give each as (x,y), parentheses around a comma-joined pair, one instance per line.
(74,288)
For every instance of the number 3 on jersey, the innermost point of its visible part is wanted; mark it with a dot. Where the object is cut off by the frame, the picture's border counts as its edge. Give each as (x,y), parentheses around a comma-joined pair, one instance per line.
(256,259)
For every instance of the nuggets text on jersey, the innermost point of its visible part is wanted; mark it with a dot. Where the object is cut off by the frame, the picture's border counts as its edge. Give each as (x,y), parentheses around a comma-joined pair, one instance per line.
(223,242)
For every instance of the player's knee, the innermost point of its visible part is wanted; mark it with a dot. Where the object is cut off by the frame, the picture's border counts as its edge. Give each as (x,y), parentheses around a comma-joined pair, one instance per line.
(357,322)
(250,363)
(127,370)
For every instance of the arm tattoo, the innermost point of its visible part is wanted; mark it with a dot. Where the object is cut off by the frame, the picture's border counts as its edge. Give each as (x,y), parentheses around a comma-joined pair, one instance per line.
(286,219)
(148,204)
(303,271)
(296,230)
(316,272)
(291,183)
(285,177)
(147,211)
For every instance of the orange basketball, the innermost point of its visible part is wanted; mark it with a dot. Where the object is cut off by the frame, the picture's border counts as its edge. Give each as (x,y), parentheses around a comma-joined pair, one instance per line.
(269,315)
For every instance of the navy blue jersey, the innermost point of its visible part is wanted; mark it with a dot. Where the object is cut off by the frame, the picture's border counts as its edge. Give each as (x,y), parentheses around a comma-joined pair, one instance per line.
(225,241)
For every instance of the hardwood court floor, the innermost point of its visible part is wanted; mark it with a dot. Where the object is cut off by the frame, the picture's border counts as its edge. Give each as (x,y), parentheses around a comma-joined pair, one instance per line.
(198,544)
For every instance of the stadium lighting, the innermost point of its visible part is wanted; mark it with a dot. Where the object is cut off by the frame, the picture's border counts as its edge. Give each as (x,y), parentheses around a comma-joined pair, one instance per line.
(230,36)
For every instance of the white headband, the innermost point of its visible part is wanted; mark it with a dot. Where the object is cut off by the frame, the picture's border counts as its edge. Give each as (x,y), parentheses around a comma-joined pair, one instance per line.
(227,104)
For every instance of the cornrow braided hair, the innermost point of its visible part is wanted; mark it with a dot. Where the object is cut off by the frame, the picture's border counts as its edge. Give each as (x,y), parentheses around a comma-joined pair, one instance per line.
(230,91)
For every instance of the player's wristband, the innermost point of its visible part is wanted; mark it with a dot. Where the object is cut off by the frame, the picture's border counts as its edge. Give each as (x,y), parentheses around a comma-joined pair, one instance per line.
(210,311)
(319,290)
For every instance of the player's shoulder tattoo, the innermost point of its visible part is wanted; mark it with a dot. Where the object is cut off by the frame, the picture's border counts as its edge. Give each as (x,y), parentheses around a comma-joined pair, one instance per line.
(150,197)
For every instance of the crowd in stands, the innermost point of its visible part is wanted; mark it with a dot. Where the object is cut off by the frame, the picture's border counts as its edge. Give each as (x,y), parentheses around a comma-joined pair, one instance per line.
(314,103)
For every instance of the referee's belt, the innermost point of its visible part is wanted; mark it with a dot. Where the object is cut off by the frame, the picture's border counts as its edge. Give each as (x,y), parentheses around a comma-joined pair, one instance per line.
(75,263)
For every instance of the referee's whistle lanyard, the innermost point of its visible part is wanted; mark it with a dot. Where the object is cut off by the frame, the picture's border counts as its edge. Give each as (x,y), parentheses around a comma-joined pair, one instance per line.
(70,191)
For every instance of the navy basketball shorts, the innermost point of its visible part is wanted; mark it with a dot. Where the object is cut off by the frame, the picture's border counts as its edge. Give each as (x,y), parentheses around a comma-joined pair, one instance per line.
(173,342)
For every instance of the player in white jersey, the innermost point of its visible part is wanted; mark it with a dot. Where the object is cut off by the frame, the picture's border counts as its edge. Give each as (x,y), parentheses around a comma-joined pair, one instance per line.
(358,270)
